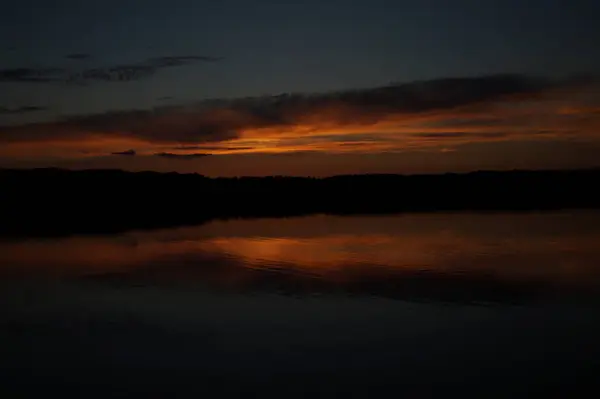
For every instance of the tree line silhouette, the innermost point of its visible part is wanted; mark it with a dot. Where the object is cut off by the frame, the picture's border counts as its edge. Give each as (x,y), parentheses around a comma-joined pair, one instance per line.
(57,201)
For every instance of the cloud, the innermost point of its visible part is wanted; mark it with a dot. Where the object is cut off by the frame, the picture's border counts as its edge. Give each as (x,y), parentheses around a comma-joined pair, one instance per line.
(78,56)
(180,156)
(126,153)
(210,148)
(170,61)
(399,116)
(111,73)
(136,71)
(32,75)
(117,73)
(21,110)
(162,125)
(450,135)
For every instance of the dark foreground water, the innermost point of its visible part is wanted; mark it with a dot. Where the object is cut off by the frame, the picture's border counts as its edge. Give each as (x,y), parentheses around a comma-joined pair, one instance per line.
(443,305)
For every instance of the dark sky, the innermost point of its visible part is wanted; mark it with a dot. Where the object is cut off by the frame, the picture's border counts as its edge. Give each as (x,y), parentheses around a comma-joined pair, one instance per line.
(61,59)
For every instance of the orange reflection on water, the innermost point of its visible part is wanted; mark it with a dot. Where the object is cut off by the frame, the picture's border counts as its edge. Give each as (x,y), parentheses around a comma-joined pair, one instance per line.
(337,252)
(556,247)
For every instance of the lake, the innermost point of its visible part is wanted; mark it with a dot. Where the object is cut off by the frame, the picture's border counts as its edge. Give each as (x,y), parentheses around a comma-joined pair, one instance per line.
(432,304)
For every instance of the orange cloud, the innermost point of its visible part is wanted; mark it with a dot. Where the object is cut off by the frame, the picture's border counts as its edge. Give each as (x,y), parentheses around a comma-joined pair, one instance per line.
(434,114)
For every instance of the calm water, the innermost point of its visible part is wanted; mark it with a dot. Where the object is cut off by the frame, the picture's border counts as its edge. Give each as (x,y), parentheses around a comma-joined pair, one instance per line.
(425,305)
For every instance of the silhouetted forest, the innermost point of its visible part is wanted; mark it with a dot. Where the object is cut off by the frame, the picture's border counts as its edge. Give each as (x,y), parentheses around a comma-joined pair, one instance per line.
(55,202)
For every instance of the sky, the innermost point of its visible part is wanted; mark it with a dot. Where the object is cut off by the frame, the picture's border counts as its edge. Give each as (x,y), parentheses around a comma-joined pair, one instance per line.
(300,87)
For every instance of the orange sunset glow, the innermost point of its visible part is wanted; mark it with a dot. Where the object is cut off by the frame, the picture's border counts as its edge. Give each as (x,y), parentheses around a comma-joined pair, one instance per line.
(299,199)
(441,120)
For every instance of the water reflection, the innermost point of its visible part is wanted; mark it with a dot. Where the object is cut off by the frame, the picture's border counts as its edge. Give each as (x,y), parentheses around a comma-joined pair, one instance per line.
(231,307)
(472,257)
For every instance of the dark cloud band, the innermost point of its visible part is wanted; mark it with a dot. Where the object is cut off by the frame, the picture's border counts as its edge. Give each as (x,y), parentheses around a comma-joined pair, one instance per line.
(224,120)
(125,153)
(180,156)
(114,73)
(21,110)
